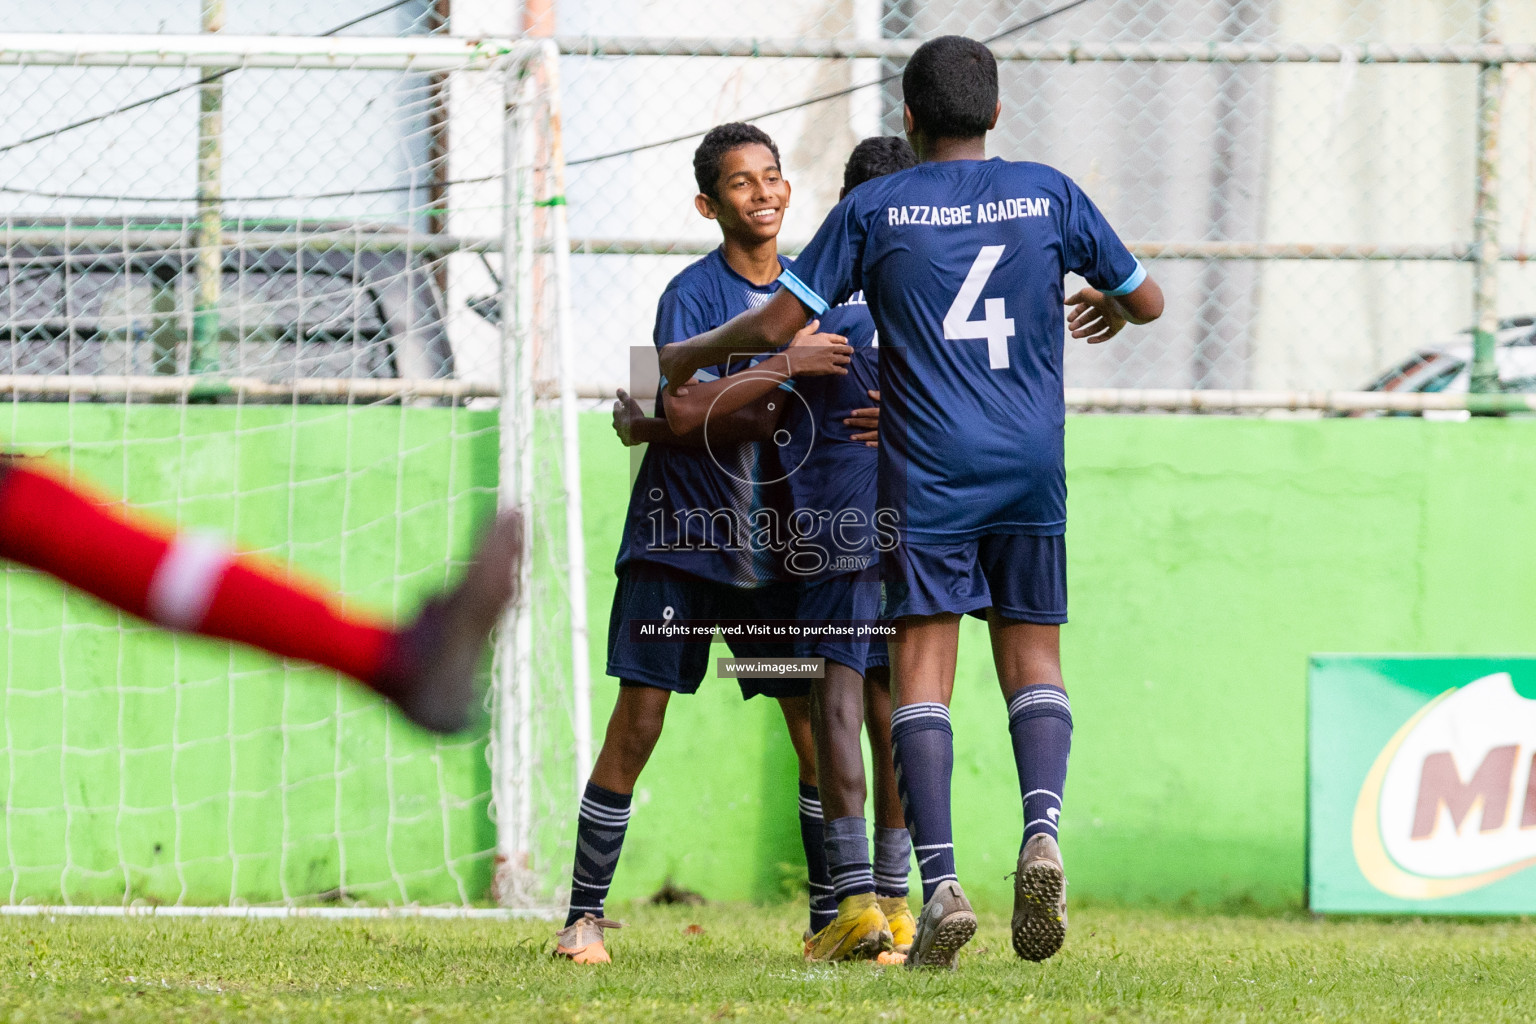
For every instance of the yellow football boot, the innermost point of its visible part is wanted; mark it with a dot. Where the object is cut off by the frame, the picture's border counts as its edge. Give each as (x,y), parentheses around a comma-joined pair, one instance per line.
(858,933)
(582,942)
(899,916)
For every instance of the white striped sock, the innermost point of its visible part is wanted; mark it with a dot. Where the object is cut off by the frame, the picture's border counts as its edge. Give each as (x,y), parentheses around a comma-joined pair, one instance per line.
(186,580)
(1032,698)
(600,814)
(922,709)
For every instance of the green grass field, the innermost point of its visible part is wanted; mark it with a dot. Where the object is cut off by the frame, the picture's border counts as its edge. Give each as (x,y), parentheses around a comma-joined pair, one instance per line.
(1119,965)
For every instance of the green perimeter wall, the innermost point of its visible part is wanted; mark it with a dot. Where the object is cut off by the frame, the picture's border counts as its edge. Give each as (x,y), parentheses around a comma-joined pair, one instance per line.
(1209,556)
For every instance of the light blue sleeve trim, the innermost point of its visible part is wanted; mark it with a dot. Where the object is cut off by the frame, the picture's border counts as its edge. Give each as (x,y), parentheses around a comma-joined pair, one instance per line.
(1131,283)
(702,376)
(800,290)
(784,385)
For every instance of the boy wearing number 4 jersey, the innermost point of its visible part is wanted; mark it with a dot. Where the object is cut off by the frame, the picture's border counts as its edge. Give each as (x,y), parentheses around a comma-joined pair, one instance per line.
(962,262)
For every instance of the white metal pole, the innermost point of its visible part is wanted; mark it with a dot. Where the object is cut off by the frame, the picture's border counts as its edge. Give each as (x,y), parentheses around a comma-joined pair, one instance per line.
(510,767)
(570,463)
(1485,218)
(503,723)
(523,402)
(204,354)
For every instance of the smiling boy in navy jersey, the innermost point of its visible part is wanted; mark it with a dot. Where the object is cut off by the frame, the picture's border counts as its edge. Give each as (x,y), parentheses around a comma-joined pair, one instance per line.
(826,441)
(962,261)
(687,553)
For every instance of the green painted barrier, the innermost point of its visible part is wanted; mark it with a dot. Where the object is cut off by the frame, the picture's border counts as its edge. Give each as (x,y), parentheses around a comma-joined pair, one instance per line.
(1209,558)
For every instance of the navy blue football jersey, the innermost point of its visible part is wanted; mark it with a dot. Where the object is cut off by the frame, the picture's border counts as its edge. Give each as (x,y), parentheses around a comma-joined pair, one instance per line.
(831,477)
(962,263)
(693,508)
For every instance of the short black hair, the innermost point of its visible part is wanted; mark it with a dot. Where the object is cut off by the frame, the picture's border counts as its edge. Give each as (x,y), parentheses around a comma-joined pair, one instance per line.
(951,86)
(875,157)
(720,140)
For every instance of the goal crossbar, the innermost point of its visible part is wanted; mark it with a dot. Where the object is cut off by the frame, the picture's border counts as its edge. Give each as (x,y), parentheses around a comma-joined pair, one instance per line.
(361,53)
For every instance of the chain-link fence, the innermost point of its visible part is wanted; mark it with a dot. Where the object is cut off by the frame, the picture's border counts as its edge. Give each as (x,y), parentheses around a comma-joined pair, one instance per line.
(1303,179)
(1305,182)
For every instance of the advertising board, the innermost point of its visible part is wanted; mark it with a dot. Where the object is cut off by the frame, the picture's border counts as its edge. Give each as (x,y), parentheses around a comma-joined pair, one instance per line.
(1421,785)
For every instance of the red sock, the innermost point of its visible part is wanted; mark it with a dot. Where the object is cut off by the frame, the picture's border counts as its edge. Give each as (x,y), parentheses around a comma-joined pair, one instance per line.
(294,619)
(190,582)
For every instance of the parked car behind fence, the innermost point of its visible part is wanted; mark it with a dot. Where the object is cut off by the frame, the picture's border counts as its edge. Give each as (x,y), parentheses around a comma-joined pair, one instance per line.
(364,304)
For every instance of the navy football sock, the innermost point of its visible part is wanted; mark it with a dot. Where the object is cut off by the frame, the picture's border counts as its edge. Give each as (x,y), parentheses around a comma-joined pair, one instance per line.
(1040,722)
(848,857)
(924,751)
(600,830)
(893,861)
(818,880)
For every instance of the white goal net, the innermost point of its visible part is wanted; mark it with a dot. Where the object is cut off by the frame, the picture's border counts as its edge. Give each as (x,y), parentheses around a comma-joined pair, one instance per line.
(309,293)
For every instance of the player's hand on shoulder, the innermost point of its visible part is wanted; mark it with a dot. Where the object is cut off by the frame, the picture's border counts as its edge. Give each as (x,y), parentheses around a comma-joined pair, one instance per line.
(673,366)
(1094,316)
(813,354)
(867,422)
(676,371)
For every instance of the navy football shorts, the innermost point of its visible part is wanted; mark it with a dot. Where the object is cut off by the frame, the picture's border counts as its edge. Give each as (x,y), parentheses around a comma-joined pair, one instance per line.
(651,592)
(850,598)
(1022,577)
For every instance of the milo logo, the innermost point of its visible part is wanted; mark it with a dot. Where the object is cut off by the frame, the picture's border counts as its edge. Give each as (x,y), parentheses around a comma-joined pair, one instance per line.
(1450,803)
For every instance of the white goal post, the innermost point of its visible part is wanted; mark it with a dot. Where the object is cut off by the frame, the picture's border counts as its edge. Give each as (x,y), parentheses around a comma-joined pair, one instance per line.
(534,194)
(459,249)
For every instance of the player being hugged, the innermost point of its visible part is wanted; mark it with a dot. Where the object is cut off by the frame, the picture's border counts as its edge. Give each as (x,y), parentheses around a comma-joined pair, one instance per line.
(688,555)
(962,261)
(831,467)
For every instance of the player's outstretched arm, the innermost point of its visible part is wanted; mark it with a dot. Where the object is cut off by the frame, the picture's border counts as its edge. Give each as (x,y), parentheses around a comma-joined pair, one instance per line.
(810,354)
(754,422)
(1096,317)
(771,325)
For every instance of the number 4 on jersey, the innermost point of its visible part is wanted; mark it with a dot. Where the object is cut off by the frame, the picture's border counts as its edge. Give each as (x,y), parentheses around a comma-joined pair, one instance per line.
(997,326)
